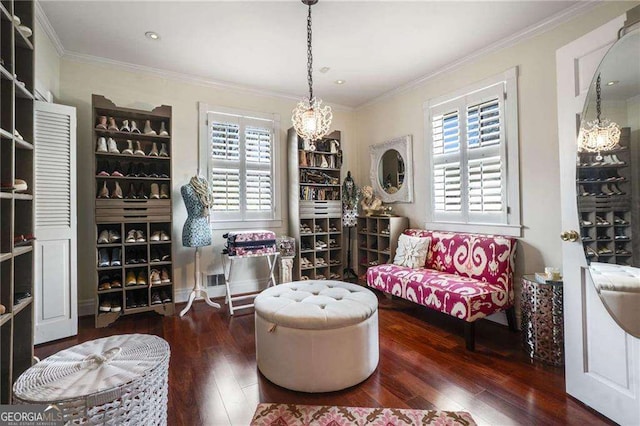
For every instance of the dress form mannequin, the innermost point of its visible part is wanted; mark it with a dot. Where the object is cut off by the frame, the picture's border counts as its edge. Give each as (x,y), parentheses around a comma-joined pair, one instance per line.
(196,231)
(349,217)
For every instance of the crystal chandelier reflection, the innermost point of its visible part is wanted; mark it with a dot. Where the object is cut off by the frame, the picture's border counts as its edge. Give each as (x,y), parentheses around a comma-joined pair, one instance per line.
(311,120)
(600,134)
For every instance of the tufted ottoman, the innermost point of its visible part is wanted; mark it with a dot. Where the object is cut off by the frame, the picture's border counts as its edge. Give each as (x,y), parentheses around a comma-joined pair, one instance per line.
(316,336)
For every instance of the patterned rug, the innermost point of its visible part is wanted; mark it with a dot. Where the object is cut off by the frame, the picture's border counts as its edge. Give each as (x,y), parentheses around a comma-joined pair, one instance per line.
(324,415)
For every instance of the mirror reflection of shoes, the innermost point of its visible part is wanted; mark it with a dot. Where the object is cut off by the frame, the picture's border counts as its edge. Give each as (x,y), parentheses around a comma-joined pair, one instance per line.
(619,221)
(601,221)
(604,251)
(589,252)
(586,223)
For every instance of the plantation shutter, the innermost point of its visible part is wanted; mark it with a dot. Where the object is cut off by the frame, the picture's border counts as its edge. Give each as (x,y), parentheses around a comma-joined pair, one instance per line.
(446,151)
(241,167)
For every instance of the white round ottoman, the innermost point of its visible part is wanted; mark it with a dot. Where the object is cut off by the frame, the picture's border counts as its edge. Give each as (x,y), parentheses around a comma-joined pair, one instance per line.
(316,336)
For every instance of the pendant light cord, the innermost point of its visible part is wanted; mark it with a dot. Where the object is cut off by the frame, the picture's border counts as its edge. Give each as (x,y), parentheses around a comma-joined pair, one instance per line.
(309,56)
(598,110)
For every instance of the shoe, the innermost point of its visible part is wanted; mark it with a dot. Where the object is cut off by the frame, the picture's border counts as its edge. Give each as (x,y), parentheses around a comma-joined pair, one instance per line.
(104,191)
(142,195)
(164,276)
(134,128)
(166,257)
(155,192)
(117,192)
(154,278)
(163,130)
(20,185)
(155,298)
(583,192)
(131,237)
(619,221)
(105,283)
(615,159)
(116,305)
(116,282)
(112,124)
(103,258)
(604,251)
(125,126)
(101,145)
(614,188)
(164,191)
(116,170)
(103,167)
(103,238)
(140,170)
(164,236)
(102,122)
(154,150)
(589,252)
(163,151)
(138,150)
(2,309)
(148,130)
(155,236)
(153,170)
(132,257)
(131,279)
(113,146)
(604,190)
(164,296)
(142,278)
(155,256)
(129,150)
(114,237)
(140,238)
(142,301)
(105,305)
(131,302)
(586,223)
(601,221)
(131,195)
(115,257)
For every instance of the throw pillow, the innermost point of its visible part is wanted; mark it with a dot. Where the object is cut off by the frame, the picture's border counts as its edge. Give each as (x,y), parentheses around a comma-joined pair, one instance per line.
(412,251)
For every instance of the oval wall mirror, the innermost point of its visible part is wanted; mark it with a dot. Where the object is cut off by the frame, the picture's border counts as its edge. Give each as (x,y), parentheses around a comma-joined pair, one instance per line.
(608,181)
(391,171)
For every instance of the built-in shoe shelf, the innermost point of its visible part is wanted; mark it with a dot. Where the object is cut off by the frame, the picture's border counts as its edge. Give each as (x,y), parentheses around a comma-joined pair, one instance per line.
(130,207)
(16,208)
(377,240)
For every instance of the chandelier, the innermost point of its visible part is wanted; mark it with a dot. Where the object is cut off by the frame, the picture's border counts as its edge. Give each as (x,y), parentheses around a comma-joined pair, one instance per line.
(310,119)
(598,135)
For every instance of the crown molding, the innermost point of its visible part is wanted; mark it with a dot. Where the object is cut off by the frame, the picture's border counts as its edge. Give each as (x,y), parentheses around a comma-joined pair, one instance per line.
(42,19)
(520,36)
(186,78)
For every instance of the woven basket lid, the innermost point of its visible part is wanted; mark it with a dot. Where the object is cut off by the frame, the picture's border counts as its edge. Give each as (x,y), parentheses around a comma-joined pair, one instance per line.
(92,367)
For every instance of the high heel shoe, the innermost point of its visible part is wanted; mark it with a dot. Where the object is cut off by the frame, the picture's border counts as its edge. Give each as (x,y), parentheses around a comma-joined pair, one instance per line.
(117,192)
(131,195)
(113,146)
(138,150)
(129,150)
(134,128)
(112,124)
(142,195)
(125,126)
(163,151)
(154,150)
(148,130)
(104,191)
(101,145)
(164,191)
(102,122)
(163,130)
(155,192)
(116,171)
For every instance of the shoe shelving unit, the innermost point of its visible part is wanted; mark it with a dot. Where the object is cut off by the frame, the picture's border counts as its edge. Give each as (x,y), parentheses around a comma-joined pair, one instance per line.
(134,211)
(315,207)
(605,200)
(16,207)
(378,240)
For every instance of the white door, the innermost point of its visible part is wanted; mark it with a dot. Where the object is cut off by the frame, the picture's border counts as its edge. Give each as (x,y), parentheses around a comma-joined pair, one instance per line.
(602,361)
(55,222)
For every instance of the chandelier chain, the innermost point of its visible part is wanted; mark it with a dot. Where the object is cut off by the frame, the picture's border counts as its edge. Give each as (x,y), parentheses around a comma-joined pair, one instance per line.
(598,110)
(309,56)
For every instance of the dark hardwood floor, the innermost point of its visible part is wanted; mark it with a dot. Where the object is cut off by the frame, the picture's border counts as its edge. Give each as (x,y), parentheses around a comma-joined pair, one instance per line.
(423,364)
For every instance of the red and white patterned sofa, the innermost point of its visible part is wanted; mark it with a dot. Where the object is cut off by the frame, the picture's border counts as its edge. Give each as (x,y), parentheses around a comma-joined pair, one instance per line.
(467,276)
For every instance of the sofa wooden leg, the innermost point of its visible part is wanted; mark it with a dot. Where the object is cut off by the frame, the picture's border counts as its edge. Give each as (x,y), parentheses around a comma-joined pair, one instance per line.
(470,335)
(511,319)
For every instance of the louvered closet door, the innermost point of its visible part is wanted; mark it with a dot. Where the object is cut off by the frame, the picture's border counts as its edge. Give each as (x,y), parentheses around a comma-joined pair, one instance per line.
(55,203)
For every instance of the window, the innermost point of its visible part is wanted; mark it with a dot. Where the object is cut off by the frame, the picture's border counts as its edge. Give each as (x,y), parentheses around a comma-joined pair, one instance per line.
(240,153)
(472,138)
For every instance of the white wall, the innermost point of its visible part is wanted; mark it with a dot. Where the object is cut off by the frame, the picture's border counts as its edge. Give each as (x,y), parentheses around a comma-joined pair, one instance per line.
(47,62)
(79,80)
(540,193)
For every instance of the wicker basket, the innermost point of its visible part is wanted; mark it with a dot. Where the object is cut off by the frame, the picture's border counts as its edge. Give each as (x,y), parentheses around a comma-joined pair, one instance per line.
(118,380)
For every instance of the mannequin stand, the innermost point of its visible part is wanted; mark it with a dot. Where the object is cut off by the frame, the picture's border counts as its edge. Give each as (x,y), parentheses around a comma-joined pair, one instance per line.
(348,271)
(198,291)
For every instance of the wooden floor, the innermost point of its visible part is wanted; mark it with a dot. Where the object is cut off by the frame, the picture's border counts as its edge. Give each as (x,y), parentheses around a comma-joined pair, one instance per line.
(423,365)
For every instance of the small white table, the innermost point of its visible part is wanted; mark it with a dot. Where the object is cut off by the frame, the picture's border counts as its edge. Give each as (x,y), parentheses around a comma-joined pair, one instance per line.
(228,277)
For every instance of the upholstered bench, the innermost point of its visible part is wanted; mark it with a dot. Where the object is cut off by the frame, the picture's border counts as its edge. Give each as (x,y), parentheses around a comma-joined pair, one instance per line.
(316,336)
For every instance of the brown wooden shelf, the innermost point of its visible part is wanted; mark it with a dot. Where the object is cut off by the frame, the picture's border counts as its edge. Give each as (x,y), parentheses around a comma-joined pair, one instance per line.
(131,157)
(21,305)
(22,144)
(132,136)
(22,41)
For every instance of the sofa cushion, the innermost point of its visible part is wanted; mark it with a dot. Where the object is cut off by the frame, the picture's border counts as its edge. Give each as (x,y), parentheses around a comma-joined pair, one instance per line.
(412,251)
(462,297)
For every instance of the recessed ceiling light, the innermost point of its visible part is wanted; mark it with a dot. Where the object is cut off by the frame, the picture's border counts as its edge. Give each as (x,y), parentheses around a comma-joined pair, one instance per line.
(324,70)
(152,35)
(340,82)
(611,83)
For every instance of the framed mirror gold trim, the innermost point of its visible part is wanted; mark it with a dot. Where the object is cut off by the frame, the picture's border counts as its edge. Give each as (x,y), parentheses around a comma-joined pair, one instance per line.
(393,184)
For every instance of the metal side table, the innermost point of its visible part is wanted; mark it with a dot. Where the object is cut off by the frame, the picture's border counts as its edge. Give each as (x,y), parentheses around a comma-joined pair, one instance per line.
(542,320)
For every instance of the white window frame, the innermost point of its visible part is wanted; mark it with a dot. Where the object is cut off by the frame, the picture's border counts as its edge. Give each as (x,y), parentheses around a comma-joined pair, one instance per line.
(509,223)
(222,220)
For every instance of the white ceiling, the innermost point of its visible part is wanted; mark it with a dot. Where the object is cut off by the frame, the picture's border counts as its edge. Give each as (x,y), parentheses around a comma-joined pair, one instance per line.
(374,46)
